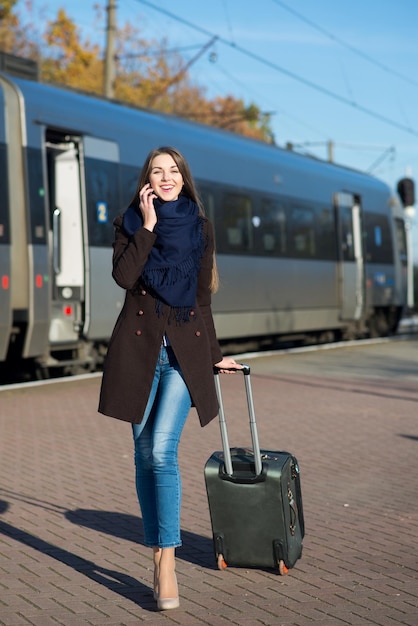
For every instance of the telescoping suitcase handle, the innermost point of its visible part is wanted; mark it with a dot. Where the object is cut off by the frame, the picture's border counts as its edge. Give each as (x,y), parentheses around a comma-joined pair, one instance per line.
(253,425)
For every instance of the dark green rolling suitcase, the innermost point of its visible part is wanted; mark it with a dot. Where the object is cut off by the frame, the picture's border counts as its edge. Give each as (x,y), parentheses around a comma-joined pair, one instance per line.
(255,500)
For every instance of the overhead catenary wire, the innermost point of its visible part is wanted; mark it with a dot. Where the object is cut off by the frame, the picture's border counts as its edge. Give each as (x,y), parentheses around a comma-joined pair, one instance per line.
(389,153)
(346,45)
(275,108)
(305,81)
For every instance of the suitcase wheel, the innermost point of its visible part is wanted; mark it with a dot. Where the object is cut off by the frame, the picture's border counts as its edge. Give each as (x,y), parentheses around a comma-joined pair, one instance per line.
(221,562)
(283,570)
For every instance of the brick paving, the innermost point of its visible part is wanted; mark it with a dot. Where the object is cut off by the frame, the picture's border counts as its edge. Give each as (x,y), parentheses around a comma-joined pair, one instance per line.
(70,528)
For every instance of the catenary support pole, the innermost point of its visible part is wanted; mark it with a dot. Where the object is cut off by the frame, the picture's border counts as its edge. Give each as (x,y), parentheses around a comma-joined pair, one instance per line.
(109,68)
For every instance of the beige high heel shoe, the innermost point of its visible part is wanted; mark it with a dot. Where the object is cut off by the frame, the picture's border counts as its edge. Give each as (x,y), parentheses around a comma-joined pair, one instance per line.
(165,604)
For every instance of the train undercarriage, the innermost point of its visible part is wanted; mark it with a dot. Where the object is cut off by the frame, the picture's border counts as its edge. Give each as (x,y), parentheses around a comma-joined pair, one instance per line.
(86,356)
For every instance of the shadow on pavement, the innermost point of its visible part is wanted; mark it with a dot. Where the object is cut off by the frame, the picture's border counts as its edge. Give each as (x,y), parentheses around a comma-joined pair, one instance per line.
(412,437)
(195,549)
(124,585)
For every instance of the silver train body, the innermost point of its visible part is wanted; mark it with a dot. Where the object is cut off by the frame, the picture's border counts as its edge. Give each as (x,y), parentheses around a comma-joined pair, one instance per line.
(304,246)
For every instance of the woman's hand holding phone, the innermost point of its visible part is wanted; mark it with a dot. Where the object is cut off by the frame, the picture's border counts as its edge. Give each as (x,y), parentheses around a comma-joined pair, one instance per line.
(146,205)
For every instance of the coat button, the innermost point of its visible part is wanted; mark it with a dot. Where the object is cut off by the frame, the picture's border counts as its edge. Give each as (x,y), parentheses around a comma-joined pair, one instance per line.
(143,292)
(197,333)
(138,332)
(140,312)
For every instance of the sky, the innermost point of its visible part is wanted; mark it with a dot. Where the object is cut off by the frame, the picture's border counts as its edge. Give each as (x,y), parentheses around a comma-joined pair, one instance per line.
(341,71)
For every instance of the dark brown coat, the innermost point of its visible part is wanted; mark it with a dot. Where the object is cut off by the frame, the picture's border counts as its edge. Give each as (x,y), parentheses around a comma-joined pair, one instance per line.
(136,339)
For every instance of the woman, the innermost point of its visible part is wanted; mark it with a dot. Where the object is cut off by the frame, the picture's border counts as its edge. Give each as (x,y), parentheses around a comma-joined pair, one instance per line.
(162,351)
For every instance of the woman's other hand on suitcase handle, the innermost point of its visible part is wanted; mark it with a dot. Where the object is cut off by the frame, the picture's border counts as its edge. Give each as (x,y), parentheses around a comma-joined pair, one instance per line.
(228,365)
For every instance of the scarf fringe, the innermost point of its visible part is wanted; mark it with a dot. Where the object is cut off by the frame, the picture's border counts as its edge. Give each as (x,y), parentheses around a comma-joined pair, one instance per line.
(168,276)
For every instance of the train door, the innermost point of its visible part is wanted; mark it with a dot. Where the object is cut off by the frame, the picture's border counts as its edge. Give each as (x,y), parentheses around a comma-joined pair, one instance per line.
(66,242)
(351,263)
(100,166)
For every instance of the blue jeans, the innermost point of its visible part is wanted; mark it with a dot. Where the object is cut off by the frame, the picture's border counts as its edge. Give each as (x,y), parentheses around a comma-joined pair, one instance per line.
(156,441)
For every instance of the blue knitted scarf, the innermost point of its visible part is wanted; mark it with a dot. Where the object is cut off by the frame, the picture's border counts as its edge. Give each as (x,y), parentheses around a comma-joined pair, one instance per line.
(172,269)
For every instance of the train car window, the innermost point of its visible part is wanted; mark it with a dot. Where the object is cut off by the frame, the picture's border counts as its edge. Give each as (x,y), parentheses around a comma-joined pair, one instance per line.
(379,247)
(208,201)
(347,238)
(102,188)
(401,240)
(37,213)
(237,230)
(302,241)
(4,198)
(211,203)
(269,228)
(326,235)
(128,182)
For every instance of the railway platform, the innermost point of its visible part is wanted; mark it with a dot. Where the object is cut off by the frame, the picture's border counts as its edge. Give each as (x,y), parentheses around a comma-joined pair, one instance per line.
(71,548)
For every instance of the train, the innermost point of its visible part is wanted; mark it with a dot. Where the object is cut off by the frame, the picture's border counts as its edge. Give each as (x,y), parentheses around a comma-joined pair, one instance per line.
(304,247)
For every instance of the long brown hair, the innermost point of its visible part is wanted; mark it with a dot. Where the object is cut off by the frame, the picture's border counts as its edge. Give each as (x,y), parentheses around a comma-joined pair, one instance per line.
(189,189)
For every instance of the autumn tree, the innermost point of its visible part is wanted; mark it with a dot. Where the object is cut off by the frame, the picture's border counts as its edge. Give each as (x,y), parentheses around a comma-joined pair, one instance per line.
(6,7)
(148,73)
(228,113)
(15,37)
(165,85)
(70,60)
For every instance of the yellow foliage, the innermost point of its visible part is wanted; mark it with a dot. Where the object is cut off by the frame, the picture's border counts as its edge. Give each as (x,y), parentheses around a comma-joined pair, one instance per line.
(148,74)
(70,61)
(6,7)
